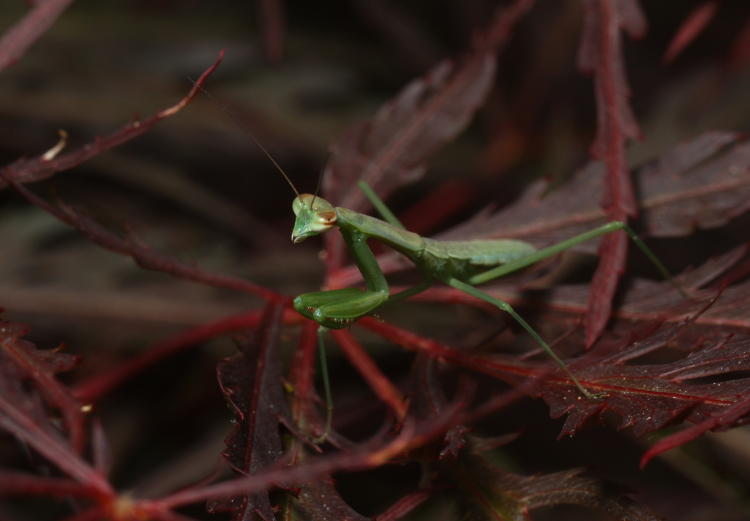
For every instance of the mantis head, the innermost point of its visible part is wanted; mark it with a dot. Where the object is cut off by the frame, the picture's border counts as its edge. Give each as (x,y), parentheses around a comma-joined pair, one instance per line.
(314,214)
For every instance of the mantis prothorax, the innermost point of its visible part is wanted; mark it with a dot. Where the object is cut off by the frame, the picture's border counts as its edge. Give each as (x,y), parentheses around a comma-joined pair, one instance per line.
(459,264)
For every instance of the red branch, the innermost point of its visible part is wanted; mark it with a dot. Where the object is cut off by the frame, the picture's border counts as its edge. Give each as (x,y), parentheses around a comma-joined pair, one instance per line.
(434,349)
(16,41)
(104,382)
(25,170)
(44,166)
(19,483)
(504,21)
(143,256)
(366,456)
(363,363)
(404,505)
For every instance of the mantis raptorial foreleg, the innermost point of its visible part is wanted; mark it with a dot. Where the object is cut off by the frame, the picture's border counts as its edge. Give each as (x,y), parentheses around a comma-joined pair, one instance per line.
(337,308)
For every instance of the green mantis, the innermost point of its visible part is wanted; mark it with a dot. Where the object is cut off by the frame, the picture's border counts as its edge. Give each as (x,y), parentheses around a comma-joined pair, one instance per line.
(460,264)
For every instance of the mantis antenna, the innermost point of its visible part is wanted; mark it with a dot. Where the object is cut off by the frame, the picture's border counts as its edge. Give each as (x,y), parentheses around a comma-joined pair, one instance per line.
(250,134)
(273,161)
(317,189)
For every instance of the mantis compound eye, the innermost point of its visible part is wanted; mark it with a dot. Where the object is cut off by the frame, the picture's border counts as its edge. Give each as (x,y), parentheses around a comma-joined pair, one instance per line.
(327,218)
(311,203)
(301,203)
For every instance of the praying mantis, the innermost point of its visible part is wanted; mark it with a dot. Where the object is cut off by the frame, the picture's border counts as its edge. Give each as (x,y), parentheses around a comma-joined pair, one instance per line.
(460,264)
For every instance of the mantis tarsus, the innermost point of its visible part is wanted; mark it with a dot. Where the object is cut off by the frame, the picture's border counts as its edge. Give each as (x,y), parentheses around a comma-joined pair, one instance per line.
(459,264)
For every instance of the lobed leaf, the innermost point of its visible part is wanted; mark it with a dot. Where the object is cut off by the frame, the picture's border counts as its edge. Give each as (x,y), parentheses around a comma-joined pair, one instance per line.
(490,493)
(390,149)
(28,411)
(251,383)
(702,183)
(699,184)
(25,362)
(601,52)
(707,376)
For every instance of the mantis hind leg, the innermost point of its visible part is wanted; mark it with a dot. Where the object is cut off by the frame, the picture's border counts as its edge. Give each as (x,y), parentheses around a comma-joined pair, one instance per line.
(504,306)
(379,205)
(545,253)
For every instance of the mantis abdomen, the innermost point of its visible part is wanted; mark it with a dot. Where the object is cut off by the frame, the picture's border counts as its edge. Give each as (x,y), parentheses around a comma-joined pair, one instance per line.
(434,257)
(479,252)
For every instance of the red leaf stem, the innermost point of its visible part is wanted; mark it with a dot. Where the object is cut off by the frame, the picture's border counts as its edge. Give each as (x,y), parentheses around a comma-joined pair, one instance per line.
(601,52)
(404,505)
(691,27)
(482,364)
(364,457)
(19,483)
(104,382)
(364,364)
